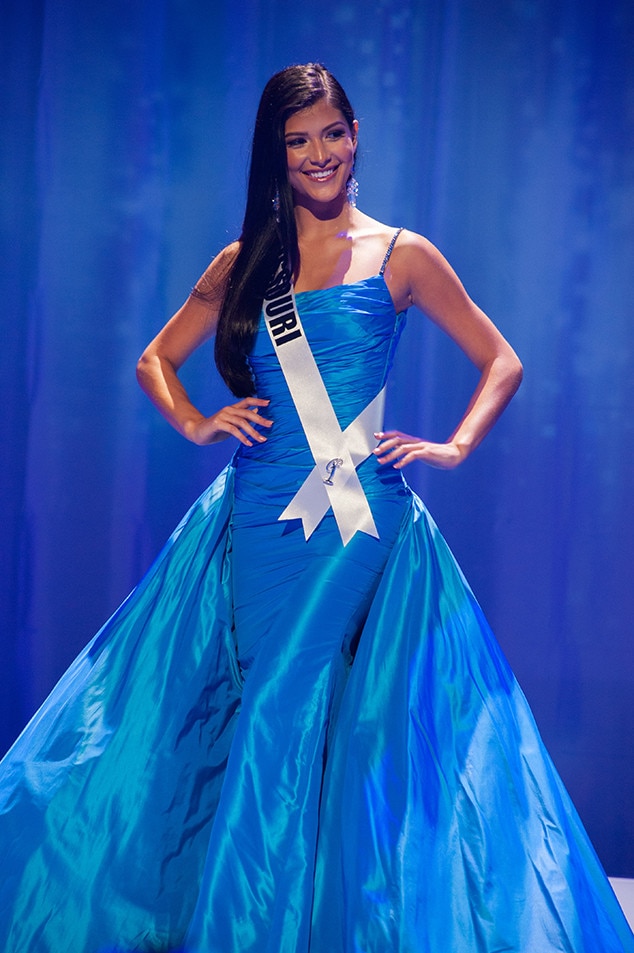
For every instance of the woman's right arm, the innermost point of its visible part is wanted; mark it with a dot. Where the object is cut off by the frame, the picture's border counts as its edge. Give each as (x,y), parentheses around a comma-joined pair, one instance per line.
(158,366)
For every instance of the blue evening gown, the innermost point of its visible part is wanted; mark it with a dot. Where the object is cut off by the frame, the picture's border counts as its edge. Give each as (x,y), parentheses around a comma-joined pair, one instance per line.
(287,746)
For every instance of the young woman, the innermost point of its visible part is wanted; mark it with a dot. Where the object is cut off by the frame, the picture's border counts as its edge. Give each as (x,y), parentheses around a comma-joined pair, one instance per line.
(298,733)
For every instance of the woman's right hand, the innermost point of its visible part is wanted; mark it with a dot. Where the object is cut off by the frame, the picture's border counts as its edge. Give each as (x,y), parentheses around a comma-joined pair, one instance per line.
(239,420)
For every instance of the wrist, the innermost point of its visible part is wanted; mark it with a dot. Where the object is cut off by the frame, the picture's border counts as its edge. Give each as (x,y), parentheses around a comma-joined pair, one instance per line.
(463,448)
(190,428)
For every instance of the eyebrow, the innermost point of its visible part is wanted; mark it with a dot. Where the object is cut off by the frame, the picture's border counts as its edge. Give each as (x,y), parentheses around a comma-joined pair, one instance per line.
(303,132)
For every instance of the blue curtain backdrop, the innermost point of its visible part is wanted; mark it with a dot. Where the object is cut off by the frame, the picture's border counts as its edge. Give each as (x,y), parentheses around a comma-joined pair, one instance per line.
(503,130)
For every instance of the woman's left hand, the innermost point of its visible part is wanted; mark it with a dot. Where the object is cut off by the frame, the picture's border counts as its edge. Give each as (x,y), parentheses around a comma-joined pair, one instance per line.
(400,449)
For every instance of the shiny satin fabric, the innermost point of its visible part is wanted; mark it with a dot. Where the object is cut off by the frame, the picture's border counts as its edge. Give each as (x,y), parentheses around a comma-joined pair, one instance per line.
(288,746)
(107,797)
(444,825)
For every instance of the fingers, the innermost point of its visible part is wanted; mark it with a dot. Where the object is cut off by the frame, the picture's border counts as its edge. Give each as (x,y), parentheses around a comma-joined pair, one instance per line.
(253,416)
(401,449)
(394,447)
(252,402)
(243,409)
(239,419)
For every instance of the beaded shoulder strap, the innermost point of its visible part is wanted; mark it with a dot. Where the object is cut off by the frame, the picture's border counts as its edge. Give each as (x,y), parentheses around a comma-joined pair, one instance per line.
(390,249)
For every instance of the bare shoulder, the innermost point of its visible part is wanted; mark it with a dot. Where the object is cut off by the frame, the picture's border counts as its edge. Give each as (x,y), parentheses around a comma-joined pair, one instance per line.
(412,250)
(211,284)
(228,254)
(418,273)
(372,239)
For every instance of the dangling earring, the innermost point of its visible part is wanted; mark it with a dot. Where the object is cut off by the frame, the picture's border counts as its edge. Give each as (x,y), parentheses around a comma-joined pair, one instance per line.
(352,189)
(276,205)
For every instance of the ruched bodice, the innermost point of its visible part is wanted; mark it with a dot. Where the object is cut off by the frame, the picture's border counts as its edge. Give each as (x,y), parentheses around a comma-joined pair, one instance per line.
(353,331)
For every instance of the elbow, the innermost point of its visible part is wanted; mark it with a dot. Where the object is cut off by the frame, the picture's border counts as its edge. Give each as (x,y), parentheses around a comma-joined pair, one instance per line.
(514,373)
(511,365)
(143,366)
(508,372)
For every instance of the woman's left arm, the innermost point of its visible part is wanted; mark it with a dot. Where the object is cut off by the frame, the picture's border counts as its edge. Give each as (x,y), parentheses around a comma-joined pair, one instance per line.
(418,274)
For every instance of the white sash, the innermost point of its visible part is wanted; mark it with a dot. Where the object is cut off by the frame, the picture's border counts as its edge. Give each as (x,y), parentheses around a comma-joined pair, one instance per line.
(334,481)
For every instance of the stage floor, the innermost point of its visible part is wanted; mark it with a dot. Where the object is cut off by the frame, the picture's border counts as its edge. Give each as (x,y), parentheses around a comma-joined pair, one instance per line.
(624,889)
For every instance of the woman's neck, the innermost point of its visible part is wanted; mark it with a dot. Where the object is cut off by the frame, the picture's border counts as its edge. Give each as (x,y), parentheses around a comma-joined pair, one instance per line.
(322,222)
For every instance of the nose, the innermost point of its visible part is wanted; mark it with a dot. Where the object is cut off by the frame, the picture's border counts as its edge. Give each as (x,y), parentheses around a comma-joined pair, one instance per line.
(319,154)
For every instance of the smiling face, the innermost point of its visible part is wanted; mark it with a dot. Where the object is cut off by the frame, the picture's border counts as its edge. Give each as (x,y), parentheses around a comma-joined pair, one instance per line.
(320,149)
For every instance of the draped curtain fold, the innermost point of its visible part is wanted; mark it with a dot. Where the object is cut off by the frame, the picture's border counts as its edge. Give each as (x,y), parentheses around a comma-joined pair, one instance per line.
(503,131)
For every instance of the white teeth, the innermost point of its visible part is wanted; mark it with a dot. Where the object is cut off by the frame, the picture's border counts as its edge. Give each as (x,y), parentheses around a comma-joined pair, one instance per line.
(323,174)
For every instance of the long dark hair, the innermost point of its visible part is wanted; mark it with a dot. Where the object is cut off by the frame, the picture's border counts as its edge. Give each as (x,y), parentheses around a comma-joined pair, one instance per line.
(265,235)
